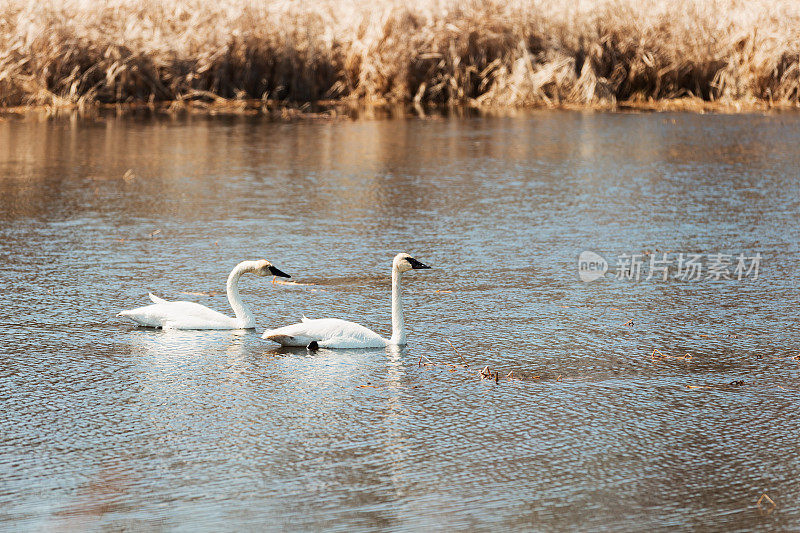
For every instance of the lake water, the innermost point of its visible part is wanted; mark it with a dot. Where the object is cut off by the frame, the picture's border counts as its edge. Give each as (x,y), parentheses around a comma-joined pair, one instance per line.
(106,426)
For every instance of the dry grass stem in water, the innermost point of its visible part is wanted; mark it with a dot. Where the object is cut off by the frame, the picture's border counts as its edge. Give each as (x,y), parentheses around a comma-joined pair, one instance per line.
(457,353)
(658,356)
(491,54)
(768,504)
(728,386)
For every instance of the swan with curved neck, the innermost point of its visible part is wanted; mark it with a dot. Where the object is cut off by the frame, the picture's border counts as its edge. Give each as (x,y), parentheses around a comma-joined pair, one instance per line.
(336,333)
(190,315)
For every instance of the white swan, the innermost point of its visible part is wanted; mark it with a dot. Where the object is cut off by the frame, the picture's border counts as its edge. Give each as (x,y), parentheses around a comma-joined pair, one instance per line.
(336,333)
(190,315)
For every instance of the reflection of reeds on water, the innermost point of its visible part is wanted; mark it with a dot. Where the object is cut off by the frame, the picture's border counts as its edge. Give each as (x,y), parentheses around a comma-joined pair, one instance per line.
(487,54)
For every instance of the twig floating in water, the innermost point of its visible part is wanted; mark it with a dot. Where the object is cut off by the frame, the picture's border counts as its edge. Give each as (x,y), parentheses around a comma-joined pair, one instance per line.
(772,504)
(457,353)
(726,386)
(657,355)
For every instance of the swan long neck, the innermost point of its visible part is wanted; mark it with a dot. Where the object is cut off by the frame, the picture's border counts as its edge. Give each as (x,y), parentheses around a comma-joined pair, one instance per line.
(240,309)
(398,320)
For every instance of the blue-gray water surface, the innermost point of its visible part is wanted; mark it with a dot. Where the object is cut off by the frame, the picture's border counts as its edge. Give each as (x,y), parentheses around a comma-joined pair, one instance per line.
(618,404)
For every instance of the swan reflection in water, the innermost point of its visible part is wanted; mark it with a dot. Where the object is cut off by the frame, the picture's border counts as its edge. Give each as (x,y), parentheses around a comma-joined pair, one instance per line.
(220,396)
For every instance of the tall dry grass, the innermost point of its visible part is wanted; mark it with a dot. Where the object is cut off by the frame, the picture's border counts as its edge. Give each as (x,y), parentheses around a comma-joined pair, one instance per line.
(481,53)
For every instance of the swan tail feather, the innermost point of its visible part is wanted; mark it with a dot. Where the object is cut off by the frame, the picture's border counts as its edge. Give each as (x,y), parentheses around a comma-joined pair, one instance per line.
(155,299)
(304,319)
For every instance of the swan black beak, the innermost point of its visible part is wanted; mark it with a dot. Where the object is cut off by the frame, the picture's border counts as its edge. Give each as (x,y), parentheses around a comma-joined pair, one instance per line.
(276,272)
(416,265)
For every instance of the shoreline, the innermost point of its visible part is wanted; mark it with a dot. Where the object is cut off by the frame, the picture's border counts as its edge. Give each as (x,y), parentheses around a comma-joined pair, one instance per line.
(360,110)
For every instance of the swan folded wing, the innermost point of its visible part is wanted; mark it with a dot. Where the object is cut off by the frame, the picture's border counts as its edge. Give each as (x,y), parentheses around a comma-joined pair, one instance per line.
(179,315)
(327,332)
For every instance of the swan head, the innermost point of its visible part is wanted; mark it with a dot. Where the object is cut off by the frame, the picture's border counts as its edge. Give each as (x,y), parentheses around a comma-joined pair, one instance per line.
(404,263)
(265,268)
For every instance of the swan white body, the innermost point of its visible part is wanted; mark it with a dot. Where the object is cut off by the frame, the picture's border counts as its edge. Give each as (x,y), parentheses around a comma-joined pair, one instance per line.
(336,333)
(327,333)
(190,315)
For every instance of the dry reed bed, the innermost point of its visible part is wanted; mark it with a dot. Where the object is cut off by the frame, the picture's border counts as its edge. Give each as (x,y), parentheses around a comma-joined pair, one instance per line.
(486,54)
